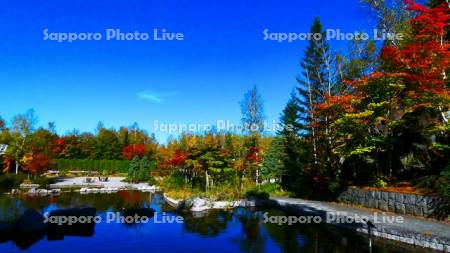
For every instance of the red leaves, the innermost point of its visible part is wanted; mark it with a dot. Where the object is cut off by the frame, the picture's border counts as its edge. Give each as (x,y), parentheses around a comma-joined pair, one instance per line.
(253,155)
(179,157)
(421,63)
(430,21)
(59,146)
(130,151)
(413,6)
(36,163)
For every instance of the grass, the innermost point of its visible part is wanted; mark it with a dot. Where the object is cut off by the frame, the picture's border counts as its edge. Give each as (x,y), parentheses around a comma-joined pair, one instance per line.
(175,187)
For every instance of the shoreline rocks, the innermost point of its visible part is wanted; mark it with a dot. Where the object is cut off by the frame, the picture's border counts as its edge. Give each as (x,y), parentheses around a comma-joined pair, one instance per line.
(198,204)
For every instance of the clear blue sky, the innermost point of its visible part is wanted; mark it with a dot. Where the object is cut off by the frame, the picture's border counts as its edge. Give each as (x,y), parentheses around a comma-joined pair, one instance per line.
(198,80)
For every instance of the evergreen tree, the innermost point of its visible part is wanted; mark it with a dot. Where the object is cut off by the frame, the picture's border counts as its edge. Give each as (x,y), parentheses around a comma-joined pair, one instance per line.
(294,159)
(310,87)
(274,160)
(133,170)
(314,86)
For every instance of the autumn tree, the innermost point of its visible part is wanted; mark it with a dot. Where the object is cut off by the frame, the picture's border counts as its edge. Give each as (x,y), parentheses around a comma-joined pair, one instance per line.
(35,163)
(395,119)
(133,150)
(252,110)
(22,127)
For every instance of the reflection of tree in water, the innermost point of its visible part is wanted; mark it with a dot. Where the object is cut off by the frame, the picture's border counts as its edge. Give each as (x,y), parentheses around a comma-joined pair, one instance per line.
(9,209)
(321,238)
(287,237)
(102,202)
(211,224)
(132,199)
(252,239)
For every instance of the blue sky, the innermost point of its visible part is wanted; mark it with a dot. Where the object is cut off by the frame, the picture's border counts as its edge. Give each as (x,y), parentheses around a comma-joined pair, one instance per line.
(198,80)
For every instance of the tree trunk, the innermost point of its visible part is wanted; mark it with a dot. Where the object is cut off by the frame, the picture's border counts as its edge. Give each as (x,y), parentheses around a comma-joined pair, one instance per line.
(313,132)
(206,180)
(17,168)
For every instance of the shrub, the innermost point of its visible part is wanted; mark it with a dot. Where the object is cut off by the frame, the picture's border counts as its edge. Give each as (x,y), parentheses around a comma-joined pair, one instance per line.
(10,181)
(264,191)
(444,185)
(175,181)
(111,166)
(139,170)
(257,193)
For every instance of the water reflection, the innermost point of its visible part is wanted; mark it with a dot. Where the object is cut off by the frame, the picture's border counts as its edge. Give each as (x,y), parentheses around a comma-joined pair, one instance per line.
(238,230)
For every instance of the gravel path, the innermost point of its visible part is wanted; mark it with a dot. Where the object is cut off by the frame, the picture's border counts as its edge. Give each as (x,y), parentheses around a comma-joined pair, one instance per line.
(418,231)
(113,182)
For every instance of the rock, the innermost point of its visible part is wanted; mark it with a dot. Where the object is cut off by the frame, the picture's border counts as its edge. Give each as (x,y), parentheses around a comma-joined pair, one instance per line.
(418,211)
(112,189)
(409,209)
(147,188)
(83,190)
(400,208)
(55,191)
(15,191)
(221,204)
(93,190)
(385,196)
(42,192)
(410,199)
(383,205)
(28,186)
(31,221)
(200,205)
(399,197)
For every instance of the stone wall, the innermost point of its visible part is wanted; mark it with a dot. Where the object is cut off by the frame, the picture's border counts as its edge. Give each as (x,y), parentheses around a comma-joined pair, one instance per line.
(401,203)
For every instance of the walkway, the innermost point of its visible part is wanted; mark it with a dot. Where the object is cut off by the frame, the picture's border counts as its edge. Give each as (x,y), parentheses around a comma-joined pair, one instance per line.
(408,229)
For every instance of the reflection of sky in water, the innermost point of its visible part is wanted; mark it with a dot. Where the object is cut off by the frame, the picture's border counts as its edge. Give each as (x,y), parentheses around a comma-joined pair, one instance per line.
(238,230)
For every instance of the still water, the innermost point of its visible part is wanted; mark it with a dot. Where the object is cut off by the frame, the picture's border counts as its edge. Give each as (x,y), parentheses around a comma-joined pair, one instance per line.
(238,230)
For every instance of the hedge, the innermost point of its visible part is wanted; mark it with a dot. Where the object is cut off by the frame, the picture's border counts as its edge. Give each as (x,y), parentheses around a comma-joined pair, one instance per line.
(111,166)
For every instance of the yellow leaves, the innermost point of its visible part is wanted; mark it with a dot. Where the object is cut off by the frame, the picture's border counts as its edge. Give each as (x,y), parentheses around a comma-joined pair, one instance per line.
(373,106)
(27,158)
(397,86)
(362,150)
(359,115)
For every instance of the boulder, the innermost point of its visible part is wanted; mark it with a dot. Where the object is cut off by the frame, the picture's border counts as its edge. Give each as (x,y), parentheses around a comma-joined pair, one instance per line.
(15,191)
(199,205)
(42,192)
(55,191)
(31,221)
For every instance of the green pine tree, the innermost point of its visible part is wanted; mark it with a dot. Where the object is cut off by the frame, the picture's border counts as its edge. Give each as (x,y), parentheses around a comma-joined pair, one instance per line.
(294,150)
(274,161)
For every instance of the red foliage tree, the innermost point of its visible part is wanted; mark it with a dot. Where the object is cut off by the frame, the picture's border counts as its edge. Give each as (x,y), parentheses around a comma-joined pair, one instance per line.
(36,163)
(59,146)
(130,151)
(253,155)
(179,157)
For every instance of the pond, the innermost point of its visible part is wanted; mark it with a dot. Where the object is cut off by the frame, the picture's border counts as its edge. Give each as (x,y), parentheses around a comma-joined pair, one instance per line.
(237,230)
